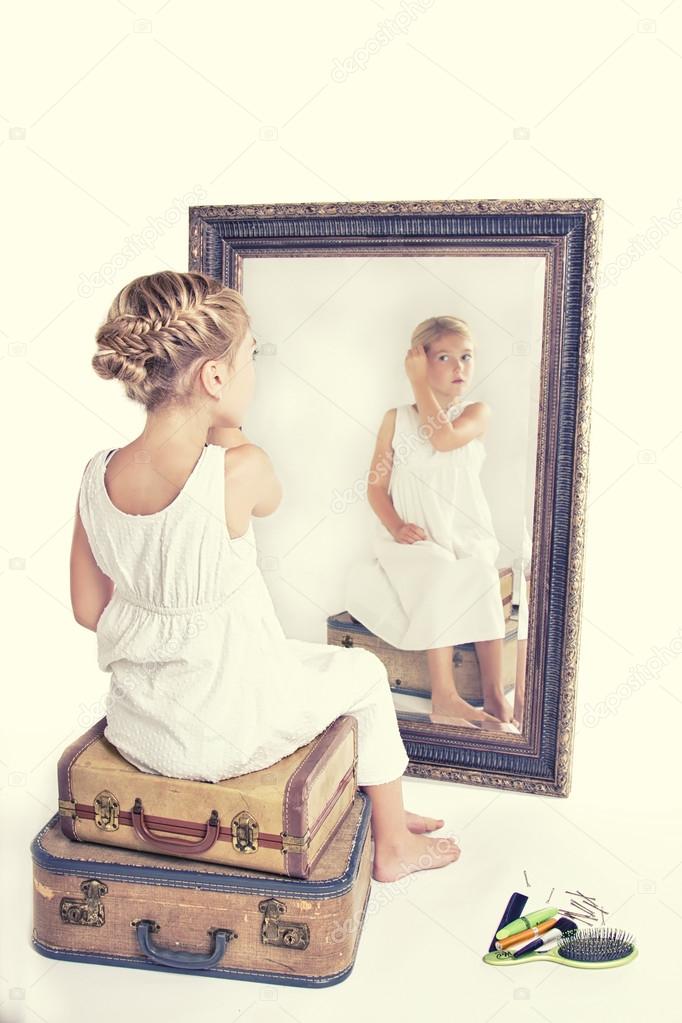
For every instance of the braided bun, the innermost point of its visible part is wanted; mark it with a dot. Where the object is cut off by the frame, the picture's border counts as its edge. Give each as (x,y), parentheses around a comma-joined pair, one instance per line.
(428,331)
(161,327)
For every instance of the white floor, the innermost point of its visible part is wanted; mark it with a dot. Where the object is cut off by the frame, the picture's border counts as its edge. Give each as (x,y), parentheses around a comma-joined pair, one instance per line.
(423,939)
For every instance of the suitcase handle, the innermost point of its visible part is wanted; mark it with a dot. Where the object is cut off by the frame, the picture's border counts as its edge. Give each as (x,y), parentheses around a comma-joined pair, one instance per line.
(192,960)
(175,845)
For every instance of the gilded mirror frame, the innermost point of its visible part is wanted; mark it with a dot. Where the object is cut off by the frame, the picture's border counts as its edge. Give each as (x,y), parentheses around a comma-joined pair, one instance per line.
(567,234)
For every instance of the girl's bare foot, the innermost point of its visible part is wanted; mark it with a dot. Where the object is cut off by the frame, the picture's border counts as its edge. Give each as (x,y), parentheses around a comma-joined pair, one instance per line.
(518,708)
(418,824)
(448,719)
(499,707)
(412,853)
(453,706)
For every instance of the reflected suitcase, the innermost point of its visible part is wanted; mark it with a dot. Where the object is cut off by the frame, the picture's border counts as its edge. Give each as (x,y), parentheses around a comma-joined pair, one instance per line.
(408,670)
(278,819)
(119,907)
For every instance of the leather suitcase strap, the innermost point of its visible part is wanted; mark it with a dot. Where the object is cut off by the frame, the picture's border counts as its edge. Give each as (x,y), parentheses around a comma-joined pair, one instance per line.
(207,833)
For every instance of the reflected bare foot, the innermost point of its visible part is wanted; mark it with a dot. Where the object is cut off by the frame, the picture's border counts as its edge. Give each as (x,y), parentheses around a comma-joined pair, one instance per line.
(412,853)
(448,719)
(498,726)
(518,709)
(453,706)
(499,707)
(418,824)
(507,726)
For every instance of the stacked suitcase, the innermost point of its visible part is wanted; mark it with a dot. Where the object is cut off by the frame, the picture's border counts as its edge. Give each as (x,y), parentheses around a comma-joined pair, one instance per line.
(262,877)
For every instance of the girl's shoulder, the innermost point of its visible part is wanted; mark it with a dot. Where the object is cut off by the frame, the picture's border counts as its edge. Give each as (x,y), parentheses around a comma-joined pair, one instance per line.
(479,407)
(392,423)
(399,415)
(93,461)
(392,416)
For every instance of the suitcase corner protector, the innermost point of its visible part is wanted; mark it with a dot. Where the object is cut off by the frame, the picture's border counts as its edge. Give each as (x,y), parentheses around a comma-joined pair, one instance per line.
(67,808)
(295,843)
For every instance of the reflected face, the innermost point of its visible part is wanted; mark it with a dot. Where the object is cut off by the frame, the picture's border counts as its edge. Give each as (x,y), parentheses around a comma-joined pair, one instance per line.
(451,364)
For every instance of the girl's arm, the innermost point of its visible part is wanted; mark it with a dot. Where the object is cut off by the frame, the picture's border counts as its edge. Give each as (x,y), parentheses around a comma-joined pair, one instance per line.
(442,434)
(91,589)
(380,476)
(251,487)
(250,476)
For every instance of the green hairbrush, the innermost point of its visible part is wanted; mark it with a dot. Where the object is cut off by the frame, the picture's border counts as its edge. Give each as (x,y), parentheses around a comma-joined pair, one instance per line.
(595,948)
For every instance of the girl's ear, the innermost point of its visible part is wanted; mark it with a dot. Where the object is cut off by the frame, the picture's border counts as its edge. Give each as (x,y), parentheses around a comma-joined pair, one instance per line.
(213,376)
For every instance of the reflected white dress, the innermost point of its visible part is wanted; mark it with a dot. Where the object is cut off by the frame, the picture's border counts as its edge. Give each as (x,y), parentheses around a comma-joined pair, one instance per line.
(446,589)
(204,682)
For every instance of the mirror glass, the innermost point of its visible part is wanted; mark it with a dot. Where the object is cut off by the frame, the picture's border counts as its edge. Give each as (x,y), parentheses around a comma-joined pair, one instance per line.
(444,600)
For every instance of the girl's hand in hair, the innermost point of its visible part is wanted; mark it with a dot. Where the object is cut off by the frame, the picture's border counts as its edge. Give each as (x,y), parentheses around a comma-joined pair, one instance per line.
(416,363)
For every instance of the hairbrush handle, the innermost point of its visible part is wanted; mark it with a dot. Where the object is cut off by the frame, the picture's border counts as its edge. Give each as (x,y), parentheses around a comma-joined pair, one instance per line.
(551,956)
(597,948)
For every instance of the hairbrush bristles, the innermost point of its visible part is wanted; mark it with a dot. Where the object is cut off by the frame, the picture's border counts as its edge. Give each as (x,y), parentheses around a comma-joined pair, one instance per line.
(596,945)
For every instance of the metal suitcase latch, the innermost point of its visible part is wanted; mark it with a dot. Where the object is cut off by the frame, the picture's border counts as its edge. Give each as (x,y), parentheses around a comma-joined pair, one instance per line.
(273,932)
(106,807)
(87,911)
(245,832)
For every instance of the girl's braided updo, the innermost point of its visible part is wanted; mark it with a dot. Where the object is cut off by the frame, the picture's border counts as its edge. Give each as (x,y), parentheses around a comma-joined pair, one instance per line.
(162,326)
(428,331)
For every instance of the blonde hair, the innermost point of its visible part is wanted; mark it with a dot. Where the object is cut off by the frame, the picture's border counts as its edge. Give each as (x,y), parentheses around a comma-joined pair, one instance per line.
(159,326)
(430,330)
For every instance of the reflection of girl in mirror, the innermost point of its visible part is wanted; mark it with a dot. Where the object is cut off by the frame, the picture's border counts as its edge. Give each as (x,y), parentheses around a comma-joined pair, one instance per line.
(434,582)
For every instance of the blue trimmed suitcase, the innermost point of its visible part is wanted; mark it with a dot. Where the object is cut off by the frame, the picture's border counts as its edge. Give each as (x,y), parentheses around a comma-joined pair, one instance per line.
(122,907)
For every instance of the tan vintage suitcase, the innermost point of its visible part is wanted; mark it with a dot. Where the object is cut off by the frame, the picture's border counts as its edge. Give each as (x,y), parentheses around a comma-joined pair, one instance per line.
(277,820)
(408,670)
(118,907)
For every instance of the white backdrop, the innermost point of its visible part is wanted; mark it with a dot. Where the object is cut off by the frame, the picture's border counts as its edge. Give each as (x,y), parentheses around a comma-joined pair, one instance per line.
(114,118)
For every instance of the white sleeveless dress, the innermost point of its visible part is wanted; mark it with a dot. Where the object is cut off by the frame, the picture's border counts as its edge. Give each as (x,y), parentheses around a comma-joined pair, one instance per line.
(204,682)
(443,590)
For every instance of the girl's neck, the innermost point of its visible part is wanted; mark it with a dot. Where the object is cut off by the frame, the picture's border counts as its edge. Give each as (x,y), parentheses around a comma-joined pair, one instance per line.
(448,403)
(453,404)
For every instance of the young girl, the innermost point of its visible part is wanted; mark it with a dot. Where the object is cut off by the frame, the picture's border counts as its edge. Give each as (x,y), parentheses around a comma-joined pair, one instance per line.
(204,683)
(433,581)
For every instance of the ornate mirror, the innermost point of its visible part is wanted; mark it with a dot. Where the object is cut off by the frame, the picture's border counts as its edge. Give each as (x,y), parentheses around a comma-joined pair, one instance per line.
(423,381)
